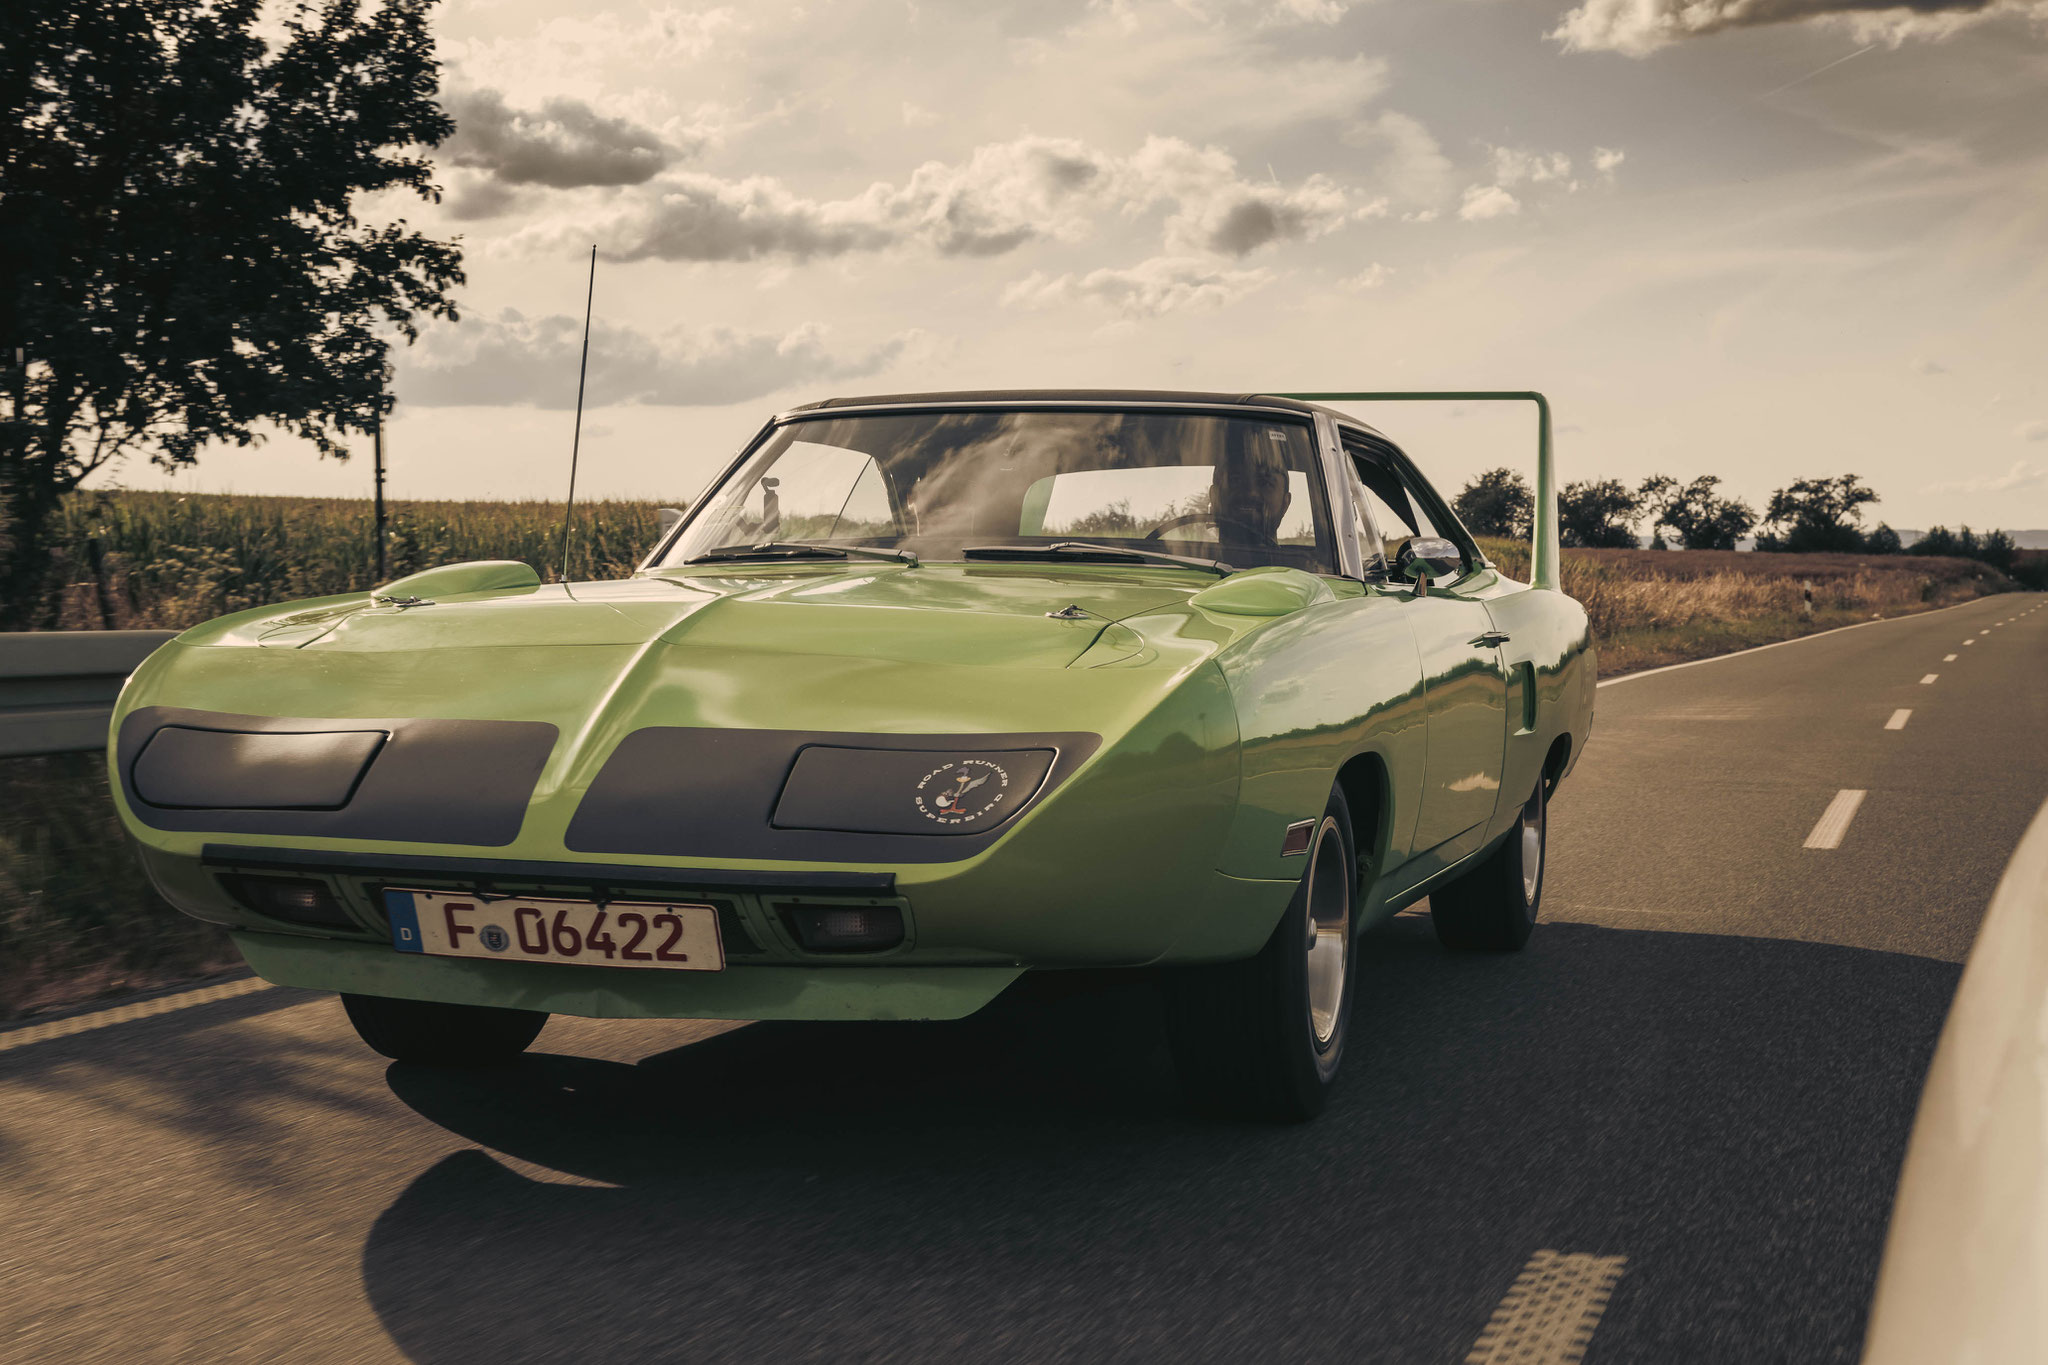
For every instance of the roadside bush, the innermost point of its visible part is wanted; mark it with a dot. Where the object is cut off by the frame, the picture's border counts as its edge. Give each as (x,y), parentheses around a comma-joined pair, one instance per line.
(78,916)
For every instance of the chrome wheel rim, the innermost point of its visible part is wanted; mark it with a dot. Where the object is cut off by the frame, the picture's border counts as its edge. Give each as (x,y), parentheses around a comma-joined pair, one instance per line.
(1329,932)
(1532,852)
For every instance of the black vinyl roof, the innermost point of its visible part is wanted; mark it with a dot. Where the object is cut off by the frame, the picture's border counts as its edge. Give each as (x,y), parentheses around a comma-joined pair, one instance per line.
(1062,395)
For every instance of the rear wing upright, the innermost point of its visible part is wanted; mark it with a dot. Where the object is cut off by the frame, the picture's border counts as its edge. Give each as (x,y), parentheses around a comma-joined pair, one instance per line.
(1543,541)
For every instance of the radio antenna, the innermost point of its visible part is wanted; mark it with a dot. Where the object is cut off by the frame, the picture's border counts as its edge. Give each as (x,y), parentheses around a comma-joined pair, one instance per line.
(576,440)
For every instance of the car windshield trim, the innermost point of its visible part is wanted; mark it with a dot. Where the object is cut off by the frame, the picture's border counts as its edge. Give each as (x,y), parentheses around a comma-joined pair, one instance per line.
(1081,549)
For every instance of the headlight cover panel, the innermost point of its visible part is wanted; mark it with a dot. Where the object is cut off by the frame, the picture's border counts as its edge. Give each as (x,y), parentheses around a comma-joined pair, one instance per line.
(823,796)
(909,791)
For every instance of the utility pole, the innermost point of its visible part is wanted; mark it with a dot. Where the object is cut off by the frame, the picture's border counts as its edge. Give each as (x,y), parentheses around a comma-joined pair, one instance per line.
(377,460)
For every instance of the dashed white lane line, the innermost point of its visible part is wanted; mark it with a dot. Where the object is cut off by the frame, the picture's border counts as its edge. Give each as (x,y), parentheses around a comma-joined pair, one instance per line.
(1898,720)
(1929,678)
(1549,1313)
(122,1014)
(1834,821)
(1970,641)
(1949,658)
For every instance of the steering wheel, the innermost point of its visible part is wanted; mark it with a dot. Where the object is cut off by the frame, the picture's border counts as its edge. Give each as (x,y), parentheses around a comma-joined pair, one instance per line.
(1217,519)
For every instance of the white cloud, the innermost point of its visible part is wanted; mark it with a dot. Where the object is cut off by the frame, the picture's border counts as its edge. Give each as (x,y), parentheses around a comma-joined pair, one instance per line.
(1305,11)
(565,143)
(1487,201)
(2024,474)
(514,360)
(1200,69)
(1408,162)
(1147,290)
(1372,277)
(575,55)
(1217,211)
(1640,27)
(1003,195)
(1607,160)
(2032,431)
(1512,166)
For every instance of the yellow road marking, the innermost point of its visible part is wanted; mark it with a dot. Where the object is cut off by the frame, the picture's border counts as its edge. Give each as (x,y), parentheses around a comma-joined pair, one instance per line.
(122,1014)
(1549,1313)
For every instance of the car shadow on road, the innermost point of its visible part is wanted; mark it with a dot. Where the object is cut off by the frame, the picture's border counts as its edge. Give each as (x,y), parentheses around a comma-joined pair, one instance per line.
(1727,1113)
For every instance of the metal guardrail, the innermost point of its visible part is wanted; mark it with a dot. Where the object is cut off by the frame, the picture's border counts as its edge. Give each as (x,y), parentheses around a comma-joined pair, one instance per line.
(57,687)
(1965,1272)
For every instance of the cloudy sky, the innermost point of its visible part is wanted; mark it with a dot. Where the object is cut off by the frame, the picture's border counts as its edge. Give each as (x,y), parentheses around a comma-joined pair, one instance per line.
(1756,238)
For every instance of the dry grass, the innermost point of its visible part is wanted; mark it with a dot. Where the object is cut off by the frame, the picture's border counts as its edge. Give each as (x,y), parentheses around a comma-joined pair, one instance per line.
(1650,607)
(78,918)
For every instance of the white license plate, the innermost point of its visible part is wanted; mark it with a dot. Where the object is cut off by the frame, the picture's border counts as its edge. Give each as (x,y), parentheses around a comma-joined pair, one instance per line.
(664,936)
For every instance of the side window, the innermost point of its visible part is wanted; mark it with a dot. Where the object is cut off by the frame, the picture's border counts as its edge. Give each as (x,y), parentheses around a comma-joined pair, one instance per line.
(1395,508)
(813,492)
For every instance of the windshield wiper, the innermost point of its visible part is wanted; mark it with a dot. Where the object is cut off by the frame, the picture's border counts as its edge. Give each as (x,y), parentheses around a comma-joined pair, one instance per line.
(1081,549)
(792,549)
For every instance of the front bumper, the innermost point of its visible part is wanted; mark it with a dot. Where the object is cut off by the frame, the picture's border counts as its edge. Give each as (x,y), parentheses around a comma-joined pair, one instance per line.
(750,991)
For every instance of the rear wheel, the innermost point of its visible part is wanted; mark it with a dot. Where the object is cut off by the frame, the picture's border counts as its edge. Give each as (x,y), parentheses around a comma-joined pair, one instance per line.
(1262,1038)
(1493,907)
(435,1034)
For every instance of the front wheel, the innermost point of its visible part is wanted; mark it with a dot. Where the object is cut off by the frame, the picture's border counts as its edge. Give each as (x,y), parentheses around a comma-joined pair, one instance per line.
(435,1034)
(1262,1038)
(1493,907)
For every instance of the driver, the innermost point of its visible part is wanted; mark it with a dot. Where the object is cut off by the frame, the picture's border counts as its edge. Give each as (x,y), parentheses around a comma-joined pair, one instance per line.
(1248,491)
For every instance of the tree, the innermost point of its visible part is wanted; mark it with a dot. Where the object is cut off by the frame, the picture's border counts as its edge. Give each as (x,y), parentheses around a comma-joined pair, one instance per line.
(1818,515)
(1496,503)
(1938,540)
(1999,550)
(1995,548)
(180,258)
(1703,521)
(1602,513)
(1882,541)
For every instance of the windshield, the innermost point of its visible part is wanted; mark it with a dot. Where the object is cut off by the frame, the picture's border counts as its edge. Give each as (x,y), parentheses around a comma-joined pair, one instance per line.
(1246,490)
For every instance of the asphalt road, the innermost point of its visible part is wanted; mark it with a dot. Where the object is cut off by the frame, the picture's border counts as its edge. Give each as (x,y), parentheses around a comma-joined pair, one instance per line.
(1706,1063)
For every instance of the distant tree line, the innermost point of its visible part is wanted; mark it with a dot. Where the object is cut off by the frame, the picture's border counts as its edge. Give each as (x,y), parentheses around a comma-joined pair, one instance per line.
(1809,516)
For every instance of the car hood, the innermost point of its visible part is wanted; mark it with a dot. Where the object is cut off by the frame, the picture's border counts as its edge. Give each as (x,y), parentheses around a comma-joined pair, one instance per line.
(947,650)
(970,615)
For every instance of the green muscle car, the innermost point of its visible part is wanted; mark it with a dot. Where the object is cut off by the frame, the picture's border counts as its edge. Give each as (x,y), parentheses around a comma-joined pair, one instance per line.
(925,693)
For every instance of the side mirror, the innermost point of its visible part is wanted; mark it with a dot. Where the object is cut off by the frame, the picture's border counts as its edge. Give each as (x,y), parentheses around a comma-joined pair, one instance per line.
(669,517)
(1419,559)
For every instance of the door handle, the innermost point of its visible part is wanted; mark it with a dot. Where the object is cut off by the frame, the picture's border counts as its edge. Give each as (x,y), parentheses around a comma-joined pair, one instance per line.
(1491,638)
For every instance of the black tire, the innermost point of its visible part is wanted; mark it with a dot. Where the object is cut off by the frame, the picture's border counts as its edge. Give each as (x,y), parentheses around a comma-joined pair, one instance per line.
(1245,1037)
(1493,908)
(434,1034)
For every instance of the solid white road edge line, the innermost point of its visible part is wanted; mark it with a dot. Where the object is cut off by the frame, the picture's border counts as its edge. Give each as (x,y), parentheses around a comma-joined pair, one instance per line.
(1929,678)
(1834,821)
(122,1014)
(1780,644)
(1898,720)
(1549,1313)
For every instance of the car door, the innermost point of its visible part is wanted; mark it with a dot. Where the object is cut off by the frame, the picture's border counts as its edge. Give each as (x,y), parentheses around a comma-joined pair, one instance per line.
(1463,677)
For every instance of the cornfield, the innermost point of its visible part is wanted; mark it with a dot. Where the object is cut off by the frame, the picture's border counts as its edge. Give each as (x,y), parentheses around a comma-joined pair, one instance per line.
(143,560)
